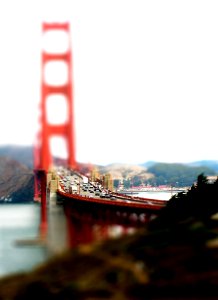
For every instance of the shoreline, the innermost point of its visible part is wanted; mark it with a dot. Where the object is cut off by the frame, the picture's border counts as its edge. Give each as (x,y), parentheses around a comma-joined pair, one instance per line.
(154,190)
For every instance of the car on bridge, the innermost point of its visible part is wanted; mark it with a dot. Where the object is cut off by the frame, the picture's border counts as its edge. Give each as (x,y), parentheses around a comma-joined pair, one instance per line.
(97,192)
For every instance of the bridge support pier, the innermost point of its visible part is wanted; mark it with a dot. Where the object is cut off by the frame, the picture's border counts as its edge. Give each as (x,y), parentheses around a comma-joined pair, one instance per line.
(43,221)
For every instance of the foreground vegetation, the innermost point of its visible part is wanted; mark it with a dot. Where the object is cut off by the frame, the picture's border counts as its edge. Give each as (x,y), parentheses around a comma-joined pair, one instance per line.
(175,257)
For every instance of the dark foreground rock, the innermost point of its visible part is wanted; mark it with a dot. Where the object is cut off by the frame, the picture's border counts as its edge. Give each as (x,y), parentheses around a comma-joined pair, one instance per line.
(175,257)
(166,264)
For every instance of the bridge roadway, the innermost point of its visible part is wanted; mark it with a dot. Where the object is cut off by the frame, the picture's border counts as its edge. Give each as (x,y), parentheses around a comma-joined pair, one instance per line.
(88,217)
(76,192)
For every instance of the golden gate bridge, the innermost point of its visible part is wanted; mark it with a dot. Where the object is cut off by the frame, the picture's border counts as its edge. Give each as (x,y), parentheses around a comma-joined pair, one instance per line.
(118,210)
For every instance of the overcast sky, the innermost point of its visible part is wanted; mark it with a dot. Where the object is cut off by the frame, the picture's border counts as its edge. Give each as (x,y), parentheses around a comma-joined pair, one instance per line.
(145,77)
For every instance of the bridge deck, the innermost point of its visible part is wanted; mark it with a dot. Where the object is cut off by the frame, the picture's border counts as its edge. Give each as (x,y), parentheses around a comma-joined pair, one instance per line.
(120,200)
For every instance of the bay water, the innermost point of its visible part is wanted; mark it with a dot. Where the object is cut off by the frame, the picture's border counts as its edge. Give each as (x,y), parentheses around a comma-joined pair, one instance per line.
(156,195)
(20,222)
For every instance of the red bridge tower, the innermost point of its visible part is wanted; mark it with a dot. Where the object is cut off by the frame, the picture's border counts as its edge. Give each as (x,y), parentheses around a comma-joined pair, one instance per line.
(42,151)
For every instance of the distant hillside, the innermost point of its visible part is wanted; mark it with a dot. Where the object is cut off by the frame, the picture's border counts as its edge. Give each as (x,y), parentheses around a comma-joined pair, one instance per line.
(150,172)
(177,174)
(212,164)
(125,171)
(148,164)
(16,181)
(22,154)
(173,174)
(25,192)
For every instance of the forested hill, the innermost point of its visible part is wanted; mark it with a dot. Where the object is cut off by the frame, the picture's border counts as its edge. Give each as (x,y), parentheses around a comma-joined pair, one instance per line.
(176,174)
(212,164)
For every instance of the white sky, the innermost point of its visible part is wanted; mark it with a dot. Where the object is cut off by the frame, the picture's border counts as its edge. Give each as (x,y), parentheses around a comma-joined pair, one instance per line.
(145,76)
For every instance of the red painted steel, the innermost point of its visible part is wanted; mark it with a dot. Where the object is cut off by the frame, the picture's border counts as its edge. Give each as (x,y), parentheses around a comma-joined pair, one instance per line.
(43,223)
(42,153)
(155,205)
(65,130)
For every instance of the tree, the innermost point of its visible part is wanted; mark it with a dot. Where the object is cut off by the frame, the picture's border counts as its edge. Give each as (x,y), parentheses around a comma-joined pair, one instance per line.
(127,183)
(136,181)
(199,203)
(116,183)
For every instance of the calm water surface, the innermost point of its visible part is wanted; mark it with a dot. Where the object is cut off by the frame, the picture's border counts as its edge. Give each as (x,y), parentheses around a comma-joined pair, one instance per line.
(156,195)
(19,222)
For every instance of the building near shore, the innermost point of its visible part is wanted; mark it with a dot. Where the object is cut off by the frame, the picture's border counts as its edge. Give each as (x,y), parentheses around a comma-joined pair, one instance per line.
(212,179)
(108,182)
